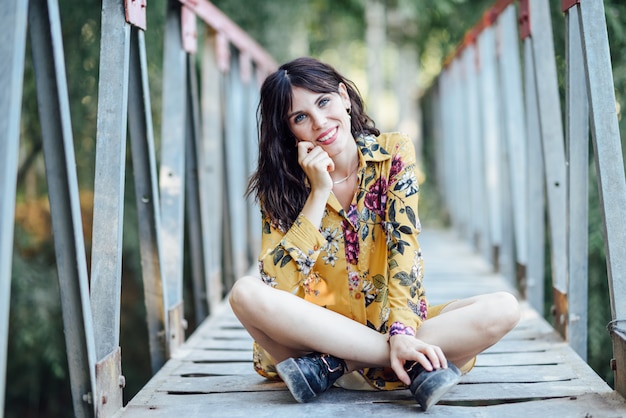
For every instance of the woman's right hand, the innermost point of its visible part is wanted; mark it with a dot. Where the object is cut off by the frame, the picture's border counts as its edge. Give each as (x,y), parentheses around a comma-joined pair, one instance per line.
(407,348)
(316,164)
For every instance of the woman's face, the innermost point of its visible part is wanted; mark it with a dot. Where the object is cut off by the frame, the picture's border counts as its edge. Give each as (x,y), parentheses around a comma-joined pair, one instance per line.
(321,118)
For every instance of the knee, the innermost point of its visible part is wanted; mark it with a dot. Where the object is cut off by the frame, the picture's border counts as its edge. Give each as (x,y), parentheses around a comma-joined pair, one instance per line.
(243,292)
(505,310)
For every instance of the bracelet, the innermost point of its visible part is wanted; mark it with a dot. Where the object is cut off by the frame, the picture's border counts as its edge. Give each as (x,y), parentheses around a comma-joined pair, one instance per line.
(399,328)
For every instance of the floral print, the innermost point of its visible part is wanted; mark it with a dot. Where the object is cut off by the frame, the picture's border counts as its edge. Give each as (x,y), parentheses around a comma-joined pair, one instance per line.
(365,262)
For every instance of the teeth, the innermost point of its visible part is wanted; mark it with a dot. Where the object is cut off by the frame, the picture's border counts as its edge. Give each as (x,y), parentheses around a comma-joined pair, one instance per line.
(327,136)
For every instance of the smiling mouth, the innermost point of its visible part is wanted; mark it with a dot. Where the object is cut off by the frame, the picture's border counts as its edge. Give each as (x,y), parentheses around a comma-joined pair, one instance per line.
(328,135)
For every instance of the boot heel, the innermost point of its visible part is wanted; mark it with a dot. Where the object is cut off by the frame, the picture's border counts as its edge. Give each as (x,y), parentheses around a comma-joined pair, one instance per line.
(295,380)
(429,387)
(308,376)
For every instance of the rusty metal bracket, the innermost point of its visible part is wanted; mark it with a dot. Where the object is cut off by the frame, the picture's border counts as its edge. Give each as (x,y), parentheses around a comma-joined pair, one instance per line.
(568,4)
(177,327)
(245,67)
(189,29)
(222,52)
(560,311)
(136,12)
(619,359)
(524,19)
(109,384)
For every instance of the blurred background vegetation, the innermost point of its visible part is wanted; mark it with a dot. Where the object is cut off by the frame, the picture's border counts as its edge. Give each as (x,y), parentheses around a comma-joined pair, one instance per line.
(392,49)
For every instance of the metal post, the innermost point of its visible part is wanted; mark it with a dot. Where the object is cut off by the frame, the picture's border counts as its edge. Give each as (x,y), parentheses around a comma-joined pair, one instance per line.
(491,133)
(534,289)
(147,198)
(514,130)
(194,221)
(577,142)
(210,162)
(58,146)
(251,101)
(447,142)
(235,178)
(108,210)
(13,16)
(478,218)
(610,169)
(172,173)
(462,149)
(553,150)
(452,145)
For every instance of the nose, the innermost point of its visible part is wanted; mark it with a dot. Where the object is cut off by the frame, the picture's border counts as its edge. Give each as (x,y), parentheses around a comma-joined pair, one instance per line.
(319,119)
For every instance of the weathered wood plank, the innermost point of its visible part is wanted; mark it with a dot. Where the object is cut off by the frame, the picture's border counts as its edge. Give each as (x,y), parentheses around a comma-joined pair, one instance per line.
(519,374)
(519,359)
(345,404)
(217,356)
(213,369)
(223,344)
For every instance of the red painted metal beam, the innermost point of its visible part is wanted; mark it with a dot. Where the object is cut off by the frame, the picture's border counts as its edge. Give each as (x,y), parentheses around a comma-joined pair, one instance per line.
(220,23)
(488,19)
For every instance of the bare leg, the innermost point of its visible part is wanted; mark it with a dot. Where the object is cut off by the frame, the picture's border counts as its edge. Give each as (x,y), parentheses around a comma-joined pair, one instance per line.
(467,327)
(288,326)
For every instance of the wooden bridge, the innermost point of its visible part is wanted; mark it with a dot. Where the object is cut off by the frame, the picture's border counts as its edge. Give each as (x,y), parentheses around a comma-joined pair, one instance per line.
(502,160)
(530,372)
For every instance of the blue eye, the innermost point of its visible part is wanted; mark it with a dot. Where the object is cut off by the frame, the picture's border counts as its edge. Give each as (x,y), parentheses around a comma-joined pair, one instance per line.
(323,102)
(299,118)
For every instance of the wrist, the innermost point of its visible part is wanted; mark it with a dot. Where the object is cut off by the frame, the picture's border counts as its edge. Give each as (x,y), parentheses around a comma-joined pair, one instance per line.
(398,328)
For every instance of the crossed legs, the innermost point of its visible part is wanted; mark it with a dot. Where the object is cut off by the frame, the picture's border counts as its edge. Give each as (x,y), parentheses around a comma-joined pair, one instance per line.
(288,326)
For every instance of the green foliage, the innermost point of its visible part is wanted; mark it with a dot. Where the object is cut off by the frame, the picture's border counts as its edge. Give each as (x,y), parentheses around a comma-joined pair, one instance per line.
(37,377)
(599,343)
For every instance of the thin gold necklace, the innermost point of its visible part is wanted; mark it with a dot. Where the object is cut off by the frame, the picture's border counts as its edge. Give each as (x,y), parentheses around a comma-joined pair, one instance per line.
(348,176)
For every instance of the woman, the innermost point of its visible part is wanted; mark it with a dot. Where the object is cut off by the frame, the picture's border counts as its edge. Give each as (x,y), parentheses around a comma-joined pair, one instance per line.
(341,299)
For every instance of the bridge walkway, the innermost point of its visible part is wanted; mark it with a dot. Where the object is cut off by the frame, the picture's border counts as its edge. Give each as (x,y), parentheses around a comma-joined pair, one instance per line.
(532,371)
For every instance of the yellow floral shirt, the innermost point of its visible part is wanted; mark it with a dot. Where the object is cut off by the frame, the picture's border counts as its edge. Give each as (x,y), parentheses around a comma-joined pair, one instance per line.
(364,263)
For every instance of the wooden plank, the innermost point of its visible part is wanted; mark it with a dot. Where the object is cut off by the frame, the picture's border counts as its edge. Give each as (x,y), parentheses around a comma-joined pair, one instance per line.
(214,369)
(224,344)
(217,356)
(521,374)
(513,346)
(518,359)
(228,334)
(394,404)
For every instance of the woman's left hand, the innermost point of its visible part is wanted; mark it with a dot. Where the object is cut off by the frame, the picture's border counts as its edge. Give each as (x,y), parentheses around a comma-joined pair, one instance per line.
(407,348)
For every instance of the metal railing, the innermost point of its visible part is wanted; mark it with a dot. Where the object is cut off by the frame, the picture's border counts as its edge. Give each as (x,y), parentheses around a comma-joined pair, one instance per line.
(502,151)
(207,151)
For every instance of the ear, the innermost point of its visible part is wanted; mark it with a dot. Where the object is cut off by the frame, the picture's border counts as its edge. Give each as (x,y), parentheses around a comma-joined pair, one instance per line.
(343,92)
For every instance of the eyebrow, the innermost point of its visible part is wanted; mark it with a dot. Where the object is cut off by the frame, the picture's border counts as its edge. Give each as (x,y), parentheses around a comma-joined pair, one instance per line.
(320,97)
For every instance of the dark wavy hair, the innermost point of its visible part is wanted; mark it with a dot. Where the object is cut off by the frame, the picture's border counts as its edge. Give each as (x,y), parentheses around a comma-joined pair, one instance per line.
(279,182)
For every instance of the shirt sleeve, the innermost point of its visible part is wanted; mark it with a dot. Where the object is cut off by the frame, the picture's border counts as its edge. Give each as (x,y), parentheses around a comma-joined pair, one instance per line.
(286,258)
(407,298)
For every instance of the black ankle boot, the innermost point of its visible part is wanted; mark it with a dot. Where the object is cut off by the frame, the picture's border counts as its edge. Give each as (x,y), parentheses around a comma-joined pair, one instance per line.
(429,387)
(308,376)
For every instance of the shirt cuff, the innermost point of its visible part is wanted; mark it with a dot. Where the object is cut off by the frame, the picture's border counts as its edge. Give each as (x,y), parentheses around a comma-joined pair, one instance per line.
(398,328)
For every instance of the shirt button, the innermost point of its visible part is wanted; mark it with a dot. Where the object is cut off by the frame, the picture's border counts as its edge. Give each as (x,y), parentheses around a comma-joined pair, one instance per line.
(315,248)
(357,296)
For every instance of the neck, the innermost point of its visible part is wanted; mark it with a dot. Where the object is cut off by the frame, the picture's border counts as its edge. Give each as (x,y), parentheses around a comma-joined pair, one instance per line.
(346,160)
(348,172)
